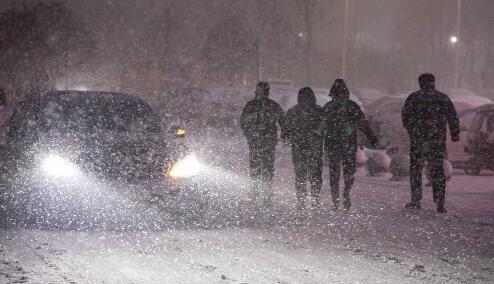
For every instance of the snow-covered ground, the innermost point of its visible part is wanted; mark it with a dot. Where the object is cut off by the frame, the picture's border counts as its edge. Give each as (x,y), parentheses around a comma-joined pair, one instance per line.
(378,241)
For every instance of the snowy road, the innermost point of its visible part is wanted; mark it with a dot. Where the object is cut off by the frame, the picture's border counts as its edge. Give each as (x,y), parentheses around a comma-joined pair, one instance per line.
(378,241)
(385,244)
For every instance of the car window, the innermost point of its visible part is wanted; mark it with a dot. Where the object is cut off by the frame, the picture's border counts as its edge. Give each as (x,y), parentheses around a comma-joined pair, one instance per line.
(97,113)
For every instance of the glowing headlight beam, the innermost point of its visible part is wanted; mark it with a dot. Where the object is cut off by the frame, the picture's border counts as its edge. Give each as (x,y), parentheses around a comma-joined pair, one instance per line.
(187,167)
(56,166)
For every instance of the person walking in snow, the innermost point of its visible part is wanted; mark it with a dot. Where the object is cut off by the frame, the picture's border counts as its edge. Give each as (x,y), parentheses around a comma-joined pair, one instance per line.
(259,121)
(301,122)
(426,115)
(343,118)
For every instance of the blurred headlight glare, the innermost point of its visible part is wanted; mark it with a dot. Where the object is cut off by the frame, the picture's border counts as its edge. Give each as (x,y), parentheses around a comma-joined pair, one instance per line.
(187,167)
(56,166)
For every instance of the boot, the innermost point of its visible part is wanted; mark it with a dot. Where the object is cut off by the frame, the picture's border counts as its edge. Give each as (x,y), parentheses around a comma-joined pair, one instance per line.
(414,204)
(440,205)
(441,209)
(347,204)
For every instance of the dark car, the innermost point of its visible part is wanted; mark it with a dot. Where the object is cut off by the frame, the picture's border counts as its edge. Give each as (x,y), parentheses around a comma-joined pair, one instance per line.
(67,138)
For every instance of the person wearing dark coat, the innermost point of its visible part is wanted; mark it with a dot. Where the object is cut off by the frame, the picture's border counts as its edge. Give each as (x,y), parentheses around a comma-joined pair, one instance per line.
(343,118)
(301,122)
(259,121)
(426,115)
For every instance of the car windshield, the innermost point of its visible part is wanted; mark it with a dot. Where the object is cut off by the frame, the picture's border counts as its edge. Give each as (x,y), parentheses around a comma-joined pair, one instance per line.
(91,112)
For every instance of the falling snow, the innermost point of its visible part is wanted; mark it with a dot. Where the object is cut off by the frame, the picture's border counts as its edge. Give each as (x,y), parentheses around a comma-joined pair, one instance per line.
(123,159)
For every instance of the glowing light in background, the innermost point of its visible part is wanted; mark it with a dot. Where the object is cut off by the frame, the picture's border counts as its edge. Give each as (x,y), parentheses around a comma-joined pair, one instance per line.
(56,166)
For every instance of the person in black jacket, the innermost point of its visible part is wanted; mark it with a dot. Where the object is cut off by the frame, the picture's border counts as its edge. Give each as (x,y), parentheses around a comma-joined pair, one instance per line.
(342,119)
(301,122)
(259,120)
(426,115)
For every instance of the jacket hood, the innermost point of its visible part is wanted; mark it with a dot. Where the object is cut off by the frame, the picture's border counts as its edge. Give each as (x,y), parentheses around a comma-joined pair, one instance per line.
(339,90)
(262,90)
(306,96)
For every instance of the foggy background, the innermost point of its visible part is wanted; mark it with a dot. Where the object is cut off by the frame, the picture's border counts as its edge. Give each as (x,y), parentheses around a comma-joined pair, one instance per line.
(196,63)
(148,46)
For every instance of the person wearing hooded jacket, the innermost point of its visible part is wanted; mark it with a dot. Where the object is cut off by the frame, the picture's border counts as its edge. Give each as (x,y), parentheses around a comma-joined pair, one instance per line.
(343,118)
(301,122)
(259,120)
(426,115)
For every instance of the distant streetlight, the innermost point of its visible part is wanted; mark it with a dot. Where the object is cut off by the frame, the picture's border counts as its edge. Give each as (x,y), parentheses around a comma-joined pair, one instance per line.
(300,34)
(453,39)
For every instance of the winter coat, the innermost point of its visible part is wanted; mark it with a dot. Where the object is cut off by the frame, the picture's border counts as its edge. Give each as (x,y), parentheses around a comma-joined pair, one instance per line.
(302,121)
(343,118)
(426,114)
(259,119)
(342,123)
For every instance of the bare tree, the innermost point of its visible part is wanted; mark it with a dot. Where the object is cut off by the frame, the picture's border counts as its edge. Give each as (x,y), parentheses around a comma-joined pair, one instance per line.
(41,40)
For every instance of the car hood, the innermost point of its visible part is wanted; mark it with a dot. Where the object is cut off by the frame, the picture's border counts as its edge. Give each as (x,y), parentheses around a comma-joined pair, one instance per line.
(104,145)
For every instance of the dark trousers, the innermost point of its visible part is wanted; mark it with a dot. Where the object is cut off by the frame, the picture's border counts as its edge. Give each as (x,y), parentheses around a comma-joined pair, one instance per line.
(339,156)
(433,153)
(261,161)
(307,162)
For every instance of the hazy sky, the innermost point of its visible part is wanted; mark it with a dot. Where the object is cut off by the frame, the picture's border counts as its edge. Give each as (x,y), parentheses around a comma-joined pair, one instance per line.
(376,27)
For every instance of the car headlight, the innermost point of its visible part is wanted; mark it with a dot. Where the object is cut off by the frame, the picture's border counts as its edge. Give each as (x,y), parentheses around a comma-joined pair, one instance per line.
(56,166)
(187,167)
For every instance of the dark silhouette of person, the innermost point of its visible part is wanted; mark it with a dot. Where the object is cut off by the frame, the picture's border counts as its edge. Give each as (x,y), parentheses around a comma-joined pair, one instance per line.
(426,115)
(259,120)
(301,122)
(343,118)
